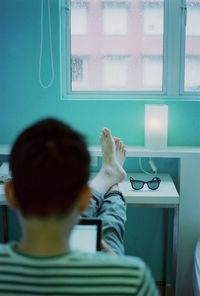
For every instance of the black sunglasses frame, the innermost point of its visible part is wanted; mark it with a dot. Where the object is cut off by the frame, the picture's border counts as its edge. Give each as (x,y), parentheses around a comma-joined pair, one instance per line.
(155,179)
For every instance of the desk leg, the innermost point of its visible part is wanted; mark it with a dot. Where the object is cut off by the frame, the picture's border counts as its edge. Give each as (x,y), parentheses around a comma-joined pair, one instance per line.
(165,249)
(174,254)
(174,251)
(5,223)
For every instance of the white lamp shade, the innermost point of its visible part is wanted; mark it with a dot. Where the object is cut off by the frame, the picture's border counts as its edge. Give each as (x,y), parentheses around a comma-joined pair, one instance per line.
(156,126)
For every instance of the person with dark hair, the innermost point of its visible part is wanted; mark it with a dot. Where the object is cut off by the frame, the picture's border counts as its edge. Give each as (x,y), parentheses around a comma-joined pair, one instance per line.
(49,164)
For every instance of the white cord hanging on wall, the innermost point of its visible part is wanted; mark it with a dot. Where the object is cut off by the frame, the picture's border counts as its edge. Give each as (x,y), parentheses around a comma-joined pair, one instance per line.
(42,83)
(152,165)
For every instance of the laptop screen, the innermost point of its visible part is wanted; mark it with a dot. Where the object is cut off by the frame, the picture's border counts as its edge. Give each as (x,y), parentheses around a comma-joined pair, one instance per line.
(86,236)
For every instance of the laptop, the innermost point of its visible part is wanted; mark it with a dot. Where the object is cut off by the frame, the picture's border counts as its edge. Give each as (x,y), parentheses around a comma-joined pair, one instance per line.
(86,236)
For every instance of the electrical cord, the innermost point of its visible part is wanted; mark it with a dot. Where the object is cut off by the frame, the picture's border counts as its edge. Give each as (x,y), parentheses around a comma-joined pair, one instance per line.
(47,85)
(152,165)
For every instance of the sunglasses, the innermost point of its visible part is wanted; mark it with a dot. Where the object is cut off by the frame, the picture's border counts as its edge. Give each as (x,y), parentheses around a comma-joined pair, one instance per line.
(152,184)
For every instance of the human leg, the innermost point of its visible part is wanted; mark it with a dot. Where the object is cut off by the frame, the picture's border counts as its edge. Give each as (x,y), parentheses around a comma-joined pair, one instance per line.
(110,207)
(113,209)
(113,215)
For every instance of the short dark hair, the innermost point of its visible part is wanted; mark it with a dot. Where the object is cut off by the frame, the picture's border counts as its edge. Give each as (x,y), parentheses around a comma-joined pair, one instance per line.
(49,163)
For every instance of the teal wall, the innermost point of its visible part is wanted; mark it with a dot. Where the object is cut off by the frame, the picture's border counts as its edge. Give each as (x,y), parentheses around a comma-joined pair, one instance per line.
(22,100)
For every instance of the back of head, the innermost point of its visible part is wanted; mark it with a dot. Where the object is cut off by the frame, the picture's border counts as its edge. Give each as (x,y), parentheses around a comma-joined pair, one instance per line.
(49,164)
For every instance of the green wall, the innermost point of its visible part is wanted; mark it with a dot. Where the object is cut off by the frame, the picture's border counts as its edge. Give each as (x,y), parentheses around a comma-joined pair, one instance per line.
(22,100)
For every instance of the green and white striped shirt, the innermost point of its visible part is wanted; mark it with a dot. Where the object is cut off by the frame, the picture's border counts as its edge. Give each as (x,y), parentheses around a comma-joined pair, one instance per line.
(73,273)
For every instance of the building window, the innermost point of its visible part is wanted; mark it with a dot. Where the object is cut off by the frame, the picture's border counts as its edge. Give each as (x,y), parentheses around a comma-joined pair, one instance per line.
(79,18)
(115,18)
(193,17)
(153,18)
(192,73)
(152,72)
(115,71)
(79,69)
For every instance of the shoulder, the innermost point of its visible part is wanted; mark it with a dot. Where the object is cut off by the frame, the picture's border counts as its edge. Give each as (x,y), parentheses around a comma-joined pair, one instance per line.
(101,259)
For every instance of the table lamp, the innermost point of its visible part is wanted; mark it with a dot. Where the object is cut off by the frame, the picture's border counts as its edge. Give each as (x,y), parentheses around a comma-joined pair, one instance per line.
(156,126)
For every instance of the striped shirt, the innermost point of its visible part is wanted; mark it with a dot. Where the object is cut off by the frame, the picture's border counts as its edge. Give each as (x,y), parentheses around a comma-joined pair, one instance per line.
(73,273)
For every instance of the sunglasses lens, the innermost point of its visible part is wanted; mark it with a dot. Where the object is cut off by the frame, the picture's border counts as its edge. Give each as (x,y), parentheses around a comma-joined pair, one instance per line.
(137,185)
(154,184)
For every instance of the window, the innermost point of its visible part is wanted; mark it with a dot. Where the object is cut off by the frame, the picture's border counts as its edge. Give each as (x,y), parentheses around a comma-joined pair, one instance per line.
(131,49)
(114,18)
(110,33)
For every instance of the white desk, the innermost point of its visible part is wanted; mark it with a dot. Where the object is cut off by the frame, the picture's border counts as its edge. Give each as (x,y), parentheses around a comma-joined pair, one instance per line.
(165,196)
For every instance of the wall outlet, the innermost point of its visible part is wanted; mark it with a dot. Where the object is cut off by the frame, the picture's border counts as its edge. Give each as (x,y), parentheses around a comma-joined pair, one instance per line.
(94,161)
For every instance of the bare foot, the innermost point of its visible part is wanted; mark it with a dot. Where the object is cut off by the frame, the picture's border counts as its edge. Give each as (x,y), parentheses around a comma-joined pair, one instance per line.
(111,172)
(114,154)
(107,146)
(120,151)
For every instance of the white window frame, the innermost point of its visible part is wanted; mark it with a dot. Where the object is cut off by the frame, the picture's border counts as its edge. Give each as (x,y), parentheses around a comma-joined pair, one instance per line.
(173,60)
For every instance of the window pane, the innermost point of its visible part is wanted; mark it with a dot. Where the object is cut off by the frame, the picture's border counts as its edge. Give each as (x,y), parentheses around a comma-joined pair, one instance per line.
(192,50)
(115,36)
